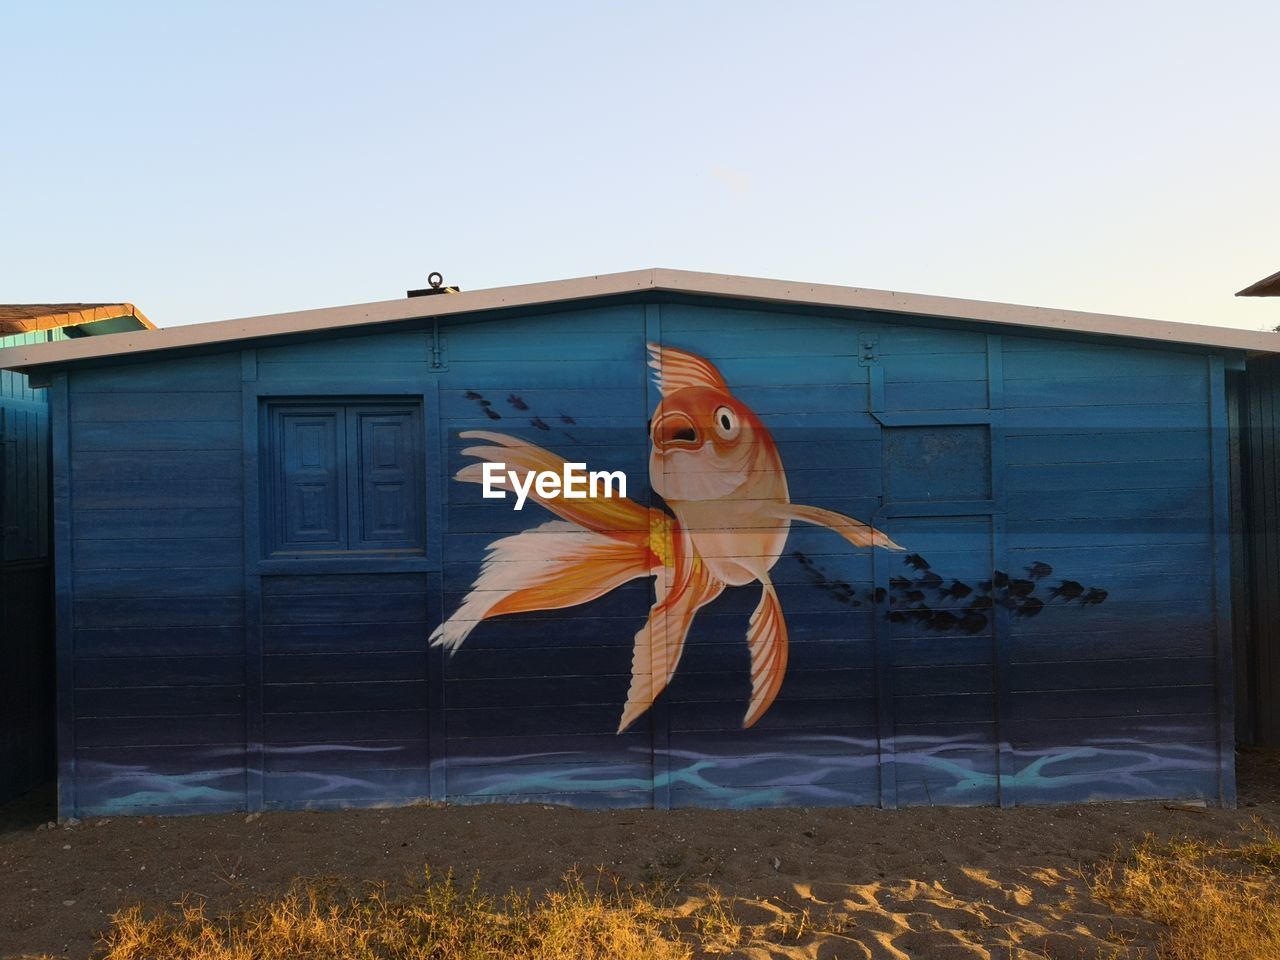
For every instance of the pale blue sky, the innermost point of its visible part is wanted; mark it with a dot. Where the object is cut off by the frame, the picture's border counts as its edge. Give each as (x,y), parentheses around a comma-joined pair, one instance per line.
(225,159)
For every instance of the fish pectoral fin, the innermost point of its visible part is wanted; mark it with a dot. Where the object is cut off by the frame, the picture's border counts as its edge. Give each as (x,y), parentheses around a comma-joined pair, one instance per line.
(767,641)
(855,531)
(660,642)
(550,567)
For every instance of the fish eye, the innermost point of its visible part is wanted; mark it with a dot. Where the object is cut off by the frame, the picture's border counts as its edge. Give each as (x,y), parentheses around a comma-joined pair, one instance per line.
(726,422)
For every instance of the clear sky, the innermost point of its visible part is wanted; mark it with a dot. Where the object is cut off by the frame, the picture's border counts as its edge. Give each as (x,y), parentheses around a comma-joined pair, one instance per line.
(213,160)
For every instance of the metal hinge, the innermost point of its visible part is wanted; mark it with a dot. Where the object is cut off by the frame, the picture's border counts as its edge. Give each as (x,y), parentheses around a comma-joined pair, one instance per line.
(868,349)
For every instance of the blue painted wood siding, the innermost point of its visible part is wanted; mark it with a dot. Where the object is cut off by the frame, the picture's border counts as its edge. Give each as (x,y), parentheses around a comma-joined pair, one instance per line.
(213,672)
(24,434)
(153,578)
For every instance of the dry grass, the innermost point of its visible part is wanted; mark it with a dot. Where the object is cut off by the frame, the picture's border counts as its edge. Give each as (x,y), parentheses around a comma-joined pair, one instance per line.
(1214,900)
(437,920)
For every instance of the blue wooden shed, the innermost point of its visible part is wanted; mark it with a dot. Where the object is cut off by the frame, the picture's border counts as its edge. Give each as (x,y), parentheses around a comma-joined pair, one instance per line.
(26,590)
(835,546)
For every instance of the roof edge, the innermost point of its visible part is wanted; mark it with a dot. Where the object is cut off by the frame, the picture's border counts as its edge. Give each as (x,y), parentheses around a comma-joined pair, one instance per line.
(231,332)
(76,318)
(1266,287)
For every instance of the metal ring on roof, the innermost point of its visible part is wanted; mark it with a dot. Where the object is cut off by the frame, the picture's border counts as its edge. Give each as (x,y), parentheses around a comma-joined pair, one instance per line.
(435,278)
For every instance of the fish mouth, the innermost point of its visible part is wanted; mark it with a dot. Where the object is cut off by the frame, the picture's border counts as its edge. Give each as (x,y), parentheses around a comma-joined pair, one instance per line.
(677,431)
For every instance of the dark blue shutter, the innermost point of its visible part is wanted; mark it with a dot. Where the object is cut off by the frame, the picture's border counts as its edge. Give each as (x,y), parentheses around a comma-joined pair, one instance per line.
(386,509)
(308,449)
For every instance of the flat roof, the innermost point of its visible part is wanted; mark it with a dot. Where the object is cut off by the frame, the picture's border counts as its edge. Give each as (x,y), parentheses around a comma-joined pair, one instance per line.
(18,318)
(340,319)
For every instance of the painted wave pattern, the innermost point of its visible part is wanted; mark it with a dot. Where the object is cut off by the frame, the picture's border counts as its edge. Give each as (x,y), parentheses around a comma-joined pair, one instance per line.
(793,771)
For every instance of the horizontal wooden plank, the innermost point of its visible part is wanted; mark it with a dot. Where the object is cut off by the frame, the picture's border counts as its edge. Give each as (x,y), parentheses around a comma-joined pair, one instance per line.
(1137,701)
(552,406)
(158,466)
(1059,617)
(943,650)
(180,523)
(1109,391)
(1078,419)
(1121,509)
(1028,359)
(281,698)
(344,638)
(357,349)
(156,554)
(345,727)
(186,700)
(345,667)
(799,683)
(926,368)
(159,642)
(607,690)
(157,435)
(168,375)
(346,376)
(1106,446)
(141,612)
(1066,534)
(936,395)
(1112,673)
(1171,636)
(140,495)
(186,406)
(1122,559)
(532,721)
(158,671)
(944,708)
(345,609)
(177,582)
(1139,475)
(345,584)
(927,680)
(145,731)
(517,375)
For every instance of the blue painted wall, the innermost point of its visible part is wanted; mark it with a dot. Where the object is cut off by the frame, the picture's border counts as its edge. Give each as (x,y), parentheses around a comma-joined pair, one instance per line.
(1056,629)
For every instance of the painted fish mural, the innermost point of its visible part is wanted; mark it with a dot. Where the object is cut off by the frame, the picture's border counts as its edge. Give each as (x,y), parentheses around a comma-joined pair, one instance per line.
(718,469)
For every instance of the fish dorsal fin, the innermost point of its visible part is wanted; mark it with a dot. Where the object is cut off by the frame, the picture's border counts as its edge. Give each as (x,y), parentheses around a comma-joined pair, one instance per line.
(678,369)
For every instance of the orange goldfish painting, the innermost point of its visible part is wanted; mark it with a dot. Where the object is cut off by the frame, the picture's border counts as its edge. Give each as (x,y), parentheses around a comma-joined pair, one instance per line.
(718,469)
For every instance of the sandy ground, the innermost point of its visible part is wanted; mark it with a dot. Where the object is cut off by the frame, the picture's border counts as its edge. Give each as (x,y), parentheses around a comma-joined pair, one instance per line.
(920,883)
